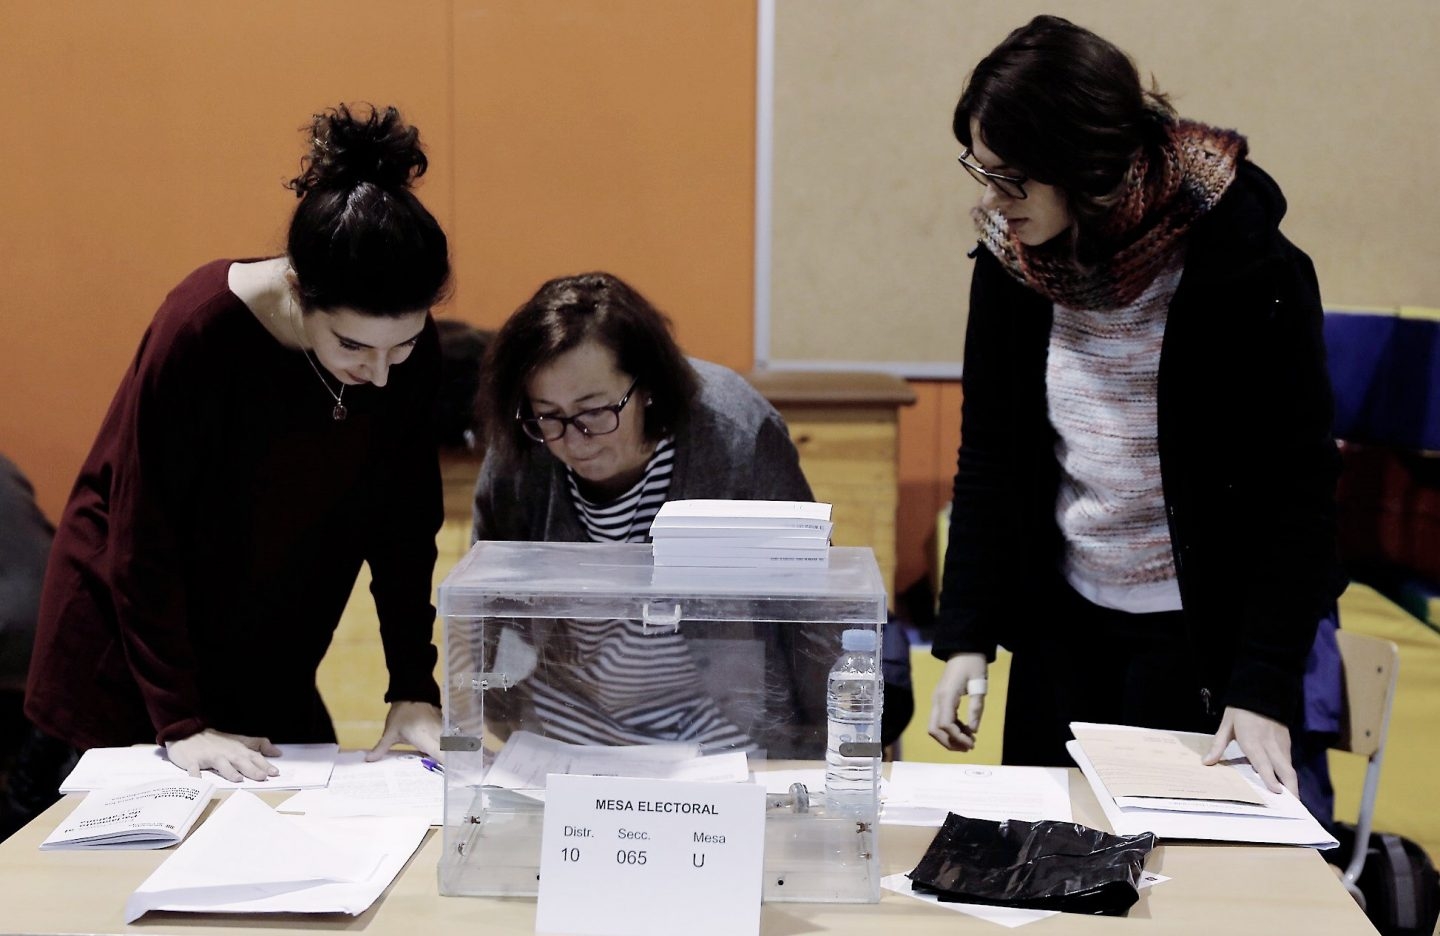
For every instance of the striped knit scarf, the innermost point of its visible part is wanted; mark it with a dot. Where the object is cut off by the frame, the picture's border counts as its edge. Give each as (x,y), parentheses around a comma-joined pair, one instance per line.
(1156,208)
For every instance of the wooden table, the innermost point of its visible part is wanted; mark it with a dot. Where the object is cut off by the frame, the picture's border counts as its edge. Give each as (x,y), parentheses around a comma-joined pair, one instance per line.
(1215,890)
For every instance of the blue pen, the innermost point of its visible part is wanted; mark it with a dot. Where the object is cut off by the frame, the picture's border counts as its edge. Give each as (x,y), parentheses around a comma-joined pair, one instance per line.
(432,765)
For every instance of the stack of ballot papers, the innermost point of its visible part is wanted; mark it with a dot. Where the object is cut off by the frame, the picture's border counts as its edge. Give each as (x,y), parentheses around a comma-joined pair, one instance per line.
(150,815)
(742,534)
(301,766)
(247,858)
(1155,781)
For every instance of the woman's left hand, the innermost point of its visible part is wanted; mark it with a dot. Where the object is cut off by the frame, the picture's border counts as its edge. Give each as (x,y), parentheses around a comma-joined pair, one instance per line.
(414,723)
(1265,742)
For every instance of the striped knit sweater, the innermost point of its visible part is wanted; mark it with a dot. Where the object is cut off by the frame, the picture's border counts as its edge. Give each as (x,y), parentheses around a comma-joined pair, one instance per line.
(1101,378)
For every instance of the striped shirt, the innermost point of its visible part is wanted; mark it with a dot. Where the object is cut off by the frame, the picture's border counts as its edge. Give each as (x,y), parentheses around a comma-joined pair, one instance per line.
(1101,379)
(627,518)
(621,684)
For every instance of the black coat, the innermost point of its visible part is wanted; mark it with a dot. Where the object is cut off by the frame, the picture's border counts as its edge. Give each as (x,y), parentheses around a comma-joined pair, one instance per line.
(1247,461)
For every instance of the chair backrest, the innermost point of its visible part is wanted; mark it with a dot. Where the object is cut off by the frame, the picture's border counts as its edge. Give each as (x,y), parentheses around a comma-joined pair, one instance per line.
(1372,667)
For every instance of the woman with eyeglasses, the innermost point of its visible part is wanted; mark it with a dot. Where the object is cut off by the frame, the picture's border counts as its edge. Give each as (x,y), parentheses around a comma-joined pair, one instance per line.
(1144,507)
(594,418)
(270,436)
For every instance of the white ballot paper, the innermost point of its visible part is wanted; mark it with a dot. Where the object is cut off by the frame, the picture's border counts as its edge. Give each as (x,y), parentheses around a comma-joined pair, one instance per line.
(151,815)
(923,794)
(302,766)
(246,858)
(395,785)
(1280,819)
(527,758)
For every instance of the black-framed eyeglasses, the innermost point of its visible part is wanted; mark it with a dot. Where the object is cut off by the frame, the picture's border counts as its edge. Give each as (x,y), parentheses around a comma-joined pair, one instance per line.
(602,420)
(1013,186)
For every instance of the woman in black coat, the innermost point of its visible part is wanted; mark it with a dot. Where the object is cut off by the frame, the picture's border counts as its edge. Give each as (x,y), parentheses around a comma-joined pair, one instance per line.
(1144,507)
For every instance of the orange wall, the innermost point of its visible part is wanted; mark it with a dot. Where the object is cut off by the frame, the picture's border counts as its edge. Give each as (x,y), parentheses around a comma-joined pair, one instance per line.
(145,138)
(929,440)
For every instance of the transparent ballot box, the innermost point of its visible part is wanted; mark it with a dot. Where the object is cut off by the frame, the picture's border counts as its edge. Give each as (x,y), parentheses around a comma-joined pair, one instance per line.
(588,658)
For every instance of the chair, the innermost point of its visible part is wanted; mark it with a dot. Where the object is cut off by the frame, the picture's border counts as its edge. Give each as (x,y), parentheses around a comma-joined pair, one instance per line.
(1371,667)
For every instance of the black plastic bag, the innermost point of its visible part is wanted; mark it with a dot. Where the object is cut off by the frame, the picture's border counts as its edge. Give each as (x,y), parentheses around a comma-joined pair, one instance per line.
(1044,865)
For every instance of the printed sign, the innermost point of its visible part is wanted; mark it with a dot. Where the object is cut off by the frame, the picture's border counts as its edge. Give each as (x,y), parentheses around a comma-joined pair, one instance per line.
(629,857)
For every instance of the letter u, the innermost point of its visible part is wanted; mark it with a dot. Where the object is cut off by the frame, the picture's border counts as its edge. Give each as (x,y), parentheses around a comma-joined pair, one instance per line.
(697,859)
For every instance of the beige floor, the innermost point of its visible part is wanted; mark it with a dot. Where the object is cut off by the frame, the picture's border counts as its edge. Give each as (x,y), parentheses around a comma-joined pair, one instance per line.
(1408,801)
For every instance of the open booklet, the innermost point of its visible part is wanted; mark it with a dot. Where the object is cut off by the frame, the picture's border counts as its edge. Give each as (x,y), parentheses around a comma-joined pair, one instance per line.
(150,815)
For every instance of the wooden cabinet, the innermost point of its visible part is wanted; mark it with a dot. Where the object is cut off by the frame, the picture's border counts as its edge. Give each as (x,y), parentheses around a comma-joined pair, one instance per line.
(846,427)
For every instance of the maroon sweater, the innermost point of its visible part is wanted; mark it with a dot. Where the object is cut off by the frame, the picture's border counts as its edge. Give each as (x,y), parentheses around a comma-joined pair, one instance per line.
(216,530)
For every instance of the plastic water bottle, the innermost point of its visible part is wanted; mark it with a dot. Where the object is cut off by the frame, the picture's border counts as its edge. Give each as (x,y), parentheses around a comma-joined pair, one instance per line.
(853,700)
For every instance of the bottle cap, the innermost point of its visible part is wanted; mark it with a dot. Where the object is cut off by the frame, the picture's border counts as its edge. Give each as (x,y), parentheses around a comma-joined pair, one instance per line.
(858,640)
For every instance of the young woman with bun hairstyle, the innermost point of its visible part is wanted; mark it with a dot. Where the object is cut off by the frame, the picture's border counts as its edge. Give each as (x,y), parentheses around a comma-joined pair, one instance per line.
(270,436)
(1144,505)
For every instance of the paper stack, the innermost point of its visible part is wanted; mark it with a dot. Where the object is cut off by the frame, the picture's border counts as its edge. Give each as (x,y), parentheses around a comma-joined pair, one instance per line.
(247,858)
(1153,781)
(742,534)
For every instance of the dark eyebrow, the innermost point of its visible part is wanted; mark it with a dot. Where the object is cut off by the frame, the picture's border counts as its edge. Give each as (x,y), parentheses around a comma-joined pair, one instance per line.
(588,396)
(362,344)
(1001,167)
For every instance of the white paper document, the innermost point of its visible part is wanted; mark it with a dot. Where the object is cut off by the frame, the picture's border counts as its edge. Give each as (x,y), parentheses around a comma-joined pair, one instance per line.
(922,794)
(246,858)
(1283,821)
(302,766)
(742,513)
(780,781)
(395,785)
(527,758)
(1005,916)
(150,815)
(1140,764)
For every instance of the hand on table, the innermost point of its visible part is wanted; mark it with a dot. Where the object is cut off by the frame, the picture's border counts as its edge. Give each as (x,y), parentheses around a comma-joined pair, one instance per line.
(414,723)
(1265,742)
(964,675)
(234,757)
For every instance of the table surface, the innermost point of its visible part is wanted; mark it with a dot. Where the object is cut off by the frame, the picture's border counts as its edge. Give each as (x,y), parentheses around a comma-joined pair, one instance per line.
(1225,890)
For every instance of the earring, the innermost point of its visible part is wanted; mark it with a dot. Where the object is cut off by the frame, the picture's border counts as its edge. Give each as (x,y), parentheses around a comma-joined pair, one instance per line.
(649,400)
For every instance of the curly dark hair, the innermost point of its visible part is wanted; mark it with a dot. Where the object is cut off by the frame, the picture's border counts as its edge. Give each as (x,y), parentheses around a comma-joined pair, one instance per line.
(360,239)
(563,314)
(1066,108)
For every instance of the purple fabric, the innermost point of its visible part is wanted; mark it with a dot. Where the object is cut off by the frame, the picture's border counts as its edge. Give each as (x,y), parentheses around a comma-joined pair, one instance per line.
(1385,371)
(1324,685)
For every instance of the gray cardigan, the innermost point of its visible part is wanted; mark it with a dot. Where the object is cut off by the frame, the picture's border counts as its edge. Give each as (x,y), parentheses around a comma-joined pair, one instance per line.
(733,446)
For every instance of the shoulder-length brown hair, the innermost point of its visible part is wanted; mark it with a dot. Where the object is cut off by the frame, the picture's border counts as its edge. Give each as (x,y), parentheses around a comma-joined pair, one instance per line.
(563,314)
(1066,108)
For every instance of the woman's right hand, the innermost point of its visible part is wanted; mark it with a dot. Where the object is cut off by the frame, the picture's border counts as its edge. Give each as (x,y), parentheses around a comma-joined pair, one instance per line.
(234,757)
(964,675)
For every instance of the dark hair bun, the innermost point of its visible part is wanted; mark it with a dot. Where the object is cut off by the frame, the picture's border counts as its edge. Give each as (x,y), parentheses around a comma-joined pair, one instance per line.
(350,148)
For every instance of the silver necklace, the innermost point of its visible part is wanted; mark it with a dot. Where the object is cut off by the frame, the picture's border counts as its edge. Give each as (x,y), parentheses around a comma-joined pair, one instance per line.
(339,412)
